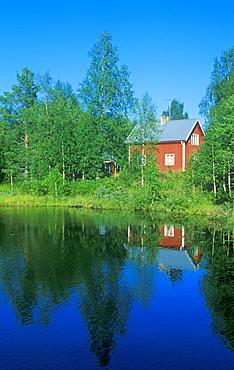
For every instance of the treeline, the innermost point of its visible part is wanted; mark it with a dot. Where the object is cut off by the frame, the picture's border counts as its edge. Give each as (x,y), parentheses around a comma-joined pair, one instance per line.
(51,134)
(213,168)
(46,125)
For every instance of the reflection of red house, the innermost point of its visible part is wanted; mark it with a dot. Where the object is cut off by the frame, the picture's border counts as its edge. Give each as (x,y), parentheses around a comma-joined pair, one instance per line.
(172,237)
(179,139)
(196,256)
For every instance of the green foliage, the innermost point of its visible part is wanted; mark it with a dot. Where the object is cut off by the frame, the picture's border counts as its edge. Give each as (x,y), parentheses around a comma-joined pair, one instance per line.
(212,169)
(146,129)
(107,94)
(106,89)
(89,144)
(33,187)
(54,183)
(221,86)
(18,114)
(176,110)
(82,187)
(145,135)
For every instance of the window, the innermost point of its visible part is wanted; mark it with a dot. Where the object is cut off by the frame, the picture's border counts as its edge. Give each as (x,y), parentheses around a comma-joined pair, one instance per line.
(169,231)
(141,160)
(195,139)
(169,159)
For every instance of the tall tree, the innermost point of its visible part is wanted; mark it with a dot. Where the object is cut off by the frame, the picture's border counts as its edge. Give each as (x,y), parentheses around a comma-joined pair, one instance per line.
(107,94)
(89,141)
(222,82)
(56,136)
(145,131)
(176,110)
(18,112)
(215,168)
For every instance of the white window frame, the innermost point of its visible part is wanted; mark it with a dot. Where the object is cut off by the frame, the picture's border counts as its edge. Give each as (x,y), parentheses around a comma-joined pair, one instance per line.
(195,139)
(169,231)
(141,160)
(169,159)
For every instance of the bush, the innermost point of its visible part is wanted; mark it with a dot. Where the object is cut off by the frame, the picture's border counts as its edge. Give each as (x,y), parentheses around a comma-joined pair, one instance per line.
(33,187)
(82,187)
(54,184)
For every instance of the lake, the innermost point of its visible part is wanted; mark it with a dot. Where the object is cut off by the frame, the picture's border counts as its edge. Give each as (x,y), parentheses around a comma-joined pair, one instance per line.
(104,290)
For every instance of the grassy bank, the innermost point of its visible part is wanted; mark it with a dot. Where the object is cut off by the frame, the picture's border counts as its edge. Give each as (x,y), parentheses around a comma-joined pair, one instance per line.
(173,196)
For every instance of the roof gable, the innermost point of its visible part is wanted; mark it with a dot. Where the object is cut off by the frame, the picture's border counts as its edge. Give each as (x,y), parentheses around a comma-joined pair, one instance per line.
(173,130)
(177,130)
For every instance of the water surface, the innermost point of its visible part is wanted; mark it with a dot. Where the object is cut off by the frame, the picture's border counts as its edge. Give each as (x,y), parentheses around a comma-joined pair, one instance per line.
(88,290)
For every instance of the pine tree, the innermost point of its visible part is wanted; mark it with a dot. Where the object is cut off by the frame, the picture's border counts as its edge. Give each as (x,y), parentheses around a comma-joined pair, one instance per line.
(18,114)
(176,110)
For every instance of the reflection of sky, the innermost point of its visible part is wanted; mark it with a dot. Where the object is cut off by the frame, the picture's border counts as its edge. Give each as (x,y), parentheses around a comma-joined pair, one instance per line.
(171,331)
(175,259)
(168,326)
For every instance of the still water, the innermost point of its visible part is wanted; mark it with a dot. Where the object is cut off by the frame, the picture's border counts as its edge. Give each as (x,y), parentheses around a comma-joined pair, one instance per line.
(83,290)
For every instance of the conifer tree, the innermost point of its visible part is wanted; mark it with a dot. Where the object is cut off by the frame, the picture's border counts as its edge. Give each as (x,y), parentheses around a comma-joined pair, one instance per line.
(18,115)
(176,110)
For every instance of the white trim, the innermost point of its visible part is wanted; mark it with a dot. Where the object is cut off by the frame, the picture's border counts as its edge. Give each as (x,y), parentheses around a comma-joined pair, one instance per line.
(169,159)
(195,139)
(169,230)
(183,155)
(190,132)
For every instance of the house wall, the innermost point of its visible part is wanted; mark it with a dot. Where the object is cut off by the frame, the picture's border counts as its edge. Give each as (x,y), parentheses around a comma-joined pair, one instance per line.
(191,149)
(170,148)
(172,237)
(173,147)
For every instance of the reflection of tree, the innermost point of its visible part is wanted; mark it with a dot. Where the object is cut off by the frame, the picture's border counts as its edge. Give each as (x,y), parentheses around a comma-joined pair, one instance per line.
(17,279)
(218,284)
(105,303)
(142,251)
(175,275)
(45,255)
(34,274)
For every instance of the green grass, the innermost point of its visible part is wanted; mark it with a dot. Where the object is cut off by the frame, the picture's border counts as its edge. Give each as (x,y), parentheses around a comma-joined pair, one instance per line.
(175,198)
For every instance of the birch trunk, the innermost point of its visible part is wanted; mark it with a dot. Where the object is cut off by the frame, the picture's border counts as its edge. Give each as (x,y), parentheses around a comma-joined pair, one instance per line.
(213,171)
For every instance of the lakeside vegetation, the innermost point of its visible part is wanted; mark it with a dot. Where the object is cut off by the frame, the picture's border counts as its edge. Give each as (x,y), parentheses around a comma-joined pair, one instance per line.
(174,200)
(54,142)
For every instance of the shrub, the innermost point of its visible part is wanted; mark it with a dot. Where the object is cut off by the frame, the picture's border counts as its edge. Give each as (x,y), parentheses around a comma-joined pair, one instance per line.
(33,187)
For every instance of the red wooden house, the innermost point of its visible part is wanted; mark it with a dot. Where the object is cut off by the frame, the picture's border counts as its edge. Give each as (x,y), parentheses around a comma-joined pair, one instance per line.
(178,140)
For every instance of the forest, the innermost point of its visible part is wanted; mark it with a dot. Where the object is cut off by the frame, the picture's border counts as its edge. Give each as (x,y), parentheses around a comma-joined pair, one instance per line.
(54,141)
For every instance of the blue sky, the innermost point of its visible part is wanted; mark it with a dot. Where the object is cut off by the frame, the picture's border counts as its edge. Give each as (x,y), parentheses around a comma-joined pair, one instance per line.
(168,46)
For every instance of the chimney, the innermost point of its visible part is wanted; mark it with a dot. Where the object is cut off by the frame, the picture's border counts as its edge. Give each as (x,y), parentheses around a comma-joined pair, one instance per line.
(164,119)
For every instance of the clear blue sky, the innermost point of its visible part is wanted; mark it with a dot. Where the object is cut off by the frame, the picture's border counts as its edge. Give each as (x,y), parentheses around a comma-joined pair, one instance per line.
(168,46)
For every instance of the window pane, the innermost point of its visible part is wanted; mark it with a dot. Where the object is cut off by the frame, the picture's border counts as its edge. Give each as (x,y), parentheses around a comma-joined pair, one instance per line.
(169,159)
(195,139)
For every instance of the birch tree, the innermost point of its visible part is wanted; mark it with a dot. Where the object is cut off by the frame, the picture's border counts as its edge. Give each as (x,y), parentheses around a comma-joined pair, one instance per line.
(215,166)
(146,132)
(107,94)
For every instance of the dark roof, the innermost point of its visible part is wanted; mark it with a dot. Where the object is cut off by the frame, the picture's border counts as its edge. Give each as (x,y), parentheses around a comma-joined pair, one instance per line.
(174,130)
